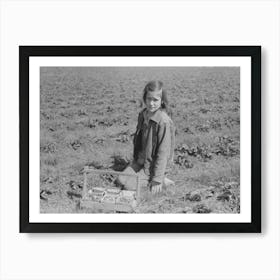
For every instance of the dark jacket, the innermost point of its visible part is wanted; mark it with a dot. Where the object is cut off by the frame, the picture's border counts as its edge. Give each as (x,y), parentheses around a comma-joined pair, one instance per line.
(160,144)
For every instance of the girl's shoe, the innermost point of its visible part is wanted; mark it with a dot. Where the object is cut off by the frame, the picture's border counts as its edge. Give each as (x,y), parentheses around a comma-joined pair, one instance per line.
(168,183)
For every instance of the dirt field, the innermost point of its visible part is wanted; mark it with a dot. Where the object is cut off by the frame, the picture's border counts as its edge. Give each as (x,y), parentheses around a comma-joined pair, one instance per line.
(88,116)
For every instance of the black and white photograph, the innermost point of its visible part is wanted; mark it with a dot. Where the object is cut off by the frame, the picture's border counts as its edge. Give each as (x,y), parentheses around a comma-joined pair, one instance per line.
(139,140)
(147,138)
(178,129)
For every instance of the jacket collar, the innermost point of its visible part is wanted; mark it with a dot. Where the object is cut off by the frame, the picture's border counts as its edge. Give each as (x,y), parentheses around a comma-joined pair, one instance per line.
(156,117)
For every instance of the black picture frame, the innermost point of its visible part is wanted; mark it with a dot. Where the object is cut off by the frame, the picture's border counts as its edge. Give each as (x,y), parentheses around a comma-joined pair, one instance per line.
(254,52)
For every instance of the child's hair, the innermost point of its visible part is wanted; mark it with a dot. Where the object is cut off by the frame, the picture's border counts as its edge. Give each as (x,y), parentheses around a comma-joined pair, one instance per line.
(156,86)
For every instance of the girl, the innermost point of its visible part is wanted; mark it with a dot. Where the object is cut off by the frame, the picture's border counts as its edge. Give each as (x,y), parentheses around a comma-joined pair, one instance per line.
(153,141)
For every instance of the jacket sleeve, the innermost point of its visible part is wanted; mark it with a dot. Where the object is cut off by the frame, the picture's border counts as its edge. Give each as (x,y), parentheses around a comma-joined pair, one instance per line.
(136,138)
(162,152)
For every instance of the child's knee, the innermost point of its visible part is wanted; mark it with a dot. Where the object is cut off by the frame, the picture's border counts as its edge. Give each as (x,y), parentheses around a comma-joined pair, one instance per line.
(135,166)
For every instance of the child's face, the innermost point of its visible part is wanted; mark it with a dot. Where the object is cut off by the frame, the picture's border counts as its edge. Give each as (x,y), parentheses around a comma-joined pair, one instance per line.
(153,100)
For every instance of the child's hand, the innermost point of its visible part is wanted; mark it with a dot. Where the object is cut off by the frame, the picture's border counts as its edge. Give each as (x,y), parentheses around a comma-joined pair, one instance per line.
(155,187)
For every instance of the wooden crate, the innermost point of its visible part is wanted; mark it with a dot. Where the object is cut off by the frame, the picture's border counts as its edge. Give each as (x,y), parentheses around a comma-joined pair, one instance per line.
(108,200)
